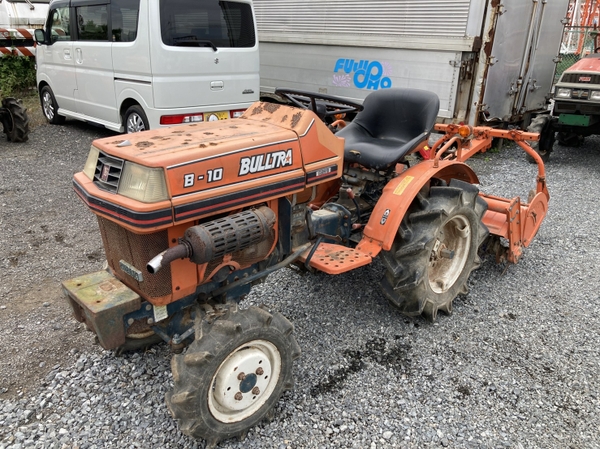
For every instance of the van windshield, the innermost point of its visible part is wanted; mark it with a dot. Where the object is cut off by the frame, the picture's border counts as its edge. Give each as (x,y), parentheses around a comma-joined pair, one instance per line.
(206,23)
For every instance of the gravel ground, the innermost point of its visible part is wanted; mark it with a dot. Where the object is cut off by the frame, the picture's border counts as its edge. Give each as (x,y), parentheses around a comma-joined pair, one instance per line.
(516,365)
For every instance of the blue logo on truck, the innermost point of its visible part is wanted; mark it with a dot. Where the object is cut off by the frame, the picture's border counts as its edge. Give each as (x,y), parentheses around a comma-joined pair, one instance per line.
(362,74)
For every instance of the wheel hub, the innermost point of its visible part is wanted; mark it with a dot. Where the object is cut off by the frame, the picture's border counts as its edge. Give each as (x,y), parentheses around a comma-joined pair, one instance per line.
(449,253)
(248,383)
(244,381)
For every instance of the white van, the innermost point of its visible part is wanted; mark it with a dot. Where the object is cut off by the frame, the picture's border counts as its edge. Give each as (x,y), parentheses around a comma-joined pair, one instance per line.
(132,65)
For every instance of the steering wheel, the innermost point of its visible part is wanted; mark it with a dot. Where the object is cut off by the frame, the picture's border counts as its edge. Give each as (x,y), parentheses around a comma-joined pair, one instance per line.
(322,105)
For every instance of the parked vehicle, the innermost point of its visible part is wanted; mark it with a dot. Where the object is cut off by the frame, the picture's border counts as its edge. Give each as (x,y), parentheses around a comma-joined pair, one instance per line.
(575,113)
(192,217)
(132,65)
(18,20)
(489,61)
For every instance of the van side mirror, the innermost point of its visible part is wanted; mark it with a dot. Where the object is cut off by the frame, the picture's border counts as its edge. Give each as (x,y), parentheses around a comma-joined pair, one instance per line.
(40,36)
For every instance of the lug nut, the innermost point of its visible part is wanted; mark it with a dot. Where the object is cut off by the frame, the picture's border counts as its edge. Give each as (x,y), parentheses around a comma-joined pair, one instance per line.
(241,376)
(260,371)
(446,253)
(255,391)
(238,396)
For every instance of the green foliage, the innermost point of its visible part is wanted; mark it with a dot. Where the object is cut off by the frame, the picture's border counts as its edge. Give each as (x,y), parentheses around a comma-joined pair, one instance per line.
(17,74)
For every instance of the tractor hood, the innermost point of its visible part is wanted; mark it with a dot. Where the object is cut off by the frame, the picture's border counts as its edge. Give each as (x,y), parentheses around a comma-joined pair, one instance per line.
(590,63)
(210,168)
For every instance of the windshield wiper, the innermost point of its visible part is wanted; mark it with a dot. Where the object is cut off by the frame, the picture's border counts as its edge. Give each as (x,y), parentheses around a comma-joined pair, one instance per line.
(192,41)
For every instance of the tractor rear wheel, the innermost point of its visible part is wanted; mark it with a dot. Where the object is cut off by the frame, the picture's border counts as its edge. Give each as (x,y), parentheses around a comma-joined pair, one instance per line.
(16,127)
(233,374)
(542,124)
(435,250)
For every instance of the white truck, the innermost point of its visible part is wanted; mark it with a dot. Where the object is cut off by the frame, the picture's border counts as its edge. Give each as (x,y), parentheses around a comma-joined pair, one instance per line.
(18,20)
(489,61)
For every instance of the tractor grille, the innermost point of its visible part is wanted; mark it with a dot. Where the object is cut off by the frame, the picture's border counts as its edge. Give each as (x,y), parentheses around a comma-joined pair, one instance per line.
(137,250)
(108,172)
(580,78)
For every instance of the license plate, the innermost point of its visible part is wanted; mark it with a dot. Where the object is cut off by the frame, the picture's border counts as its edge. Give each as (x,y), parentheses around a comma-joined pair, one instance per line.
(214,116)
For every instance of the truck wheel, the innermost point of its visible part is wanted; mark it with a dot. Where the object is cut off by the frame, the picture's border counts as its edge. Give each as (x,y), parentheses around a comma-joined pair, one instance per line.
(50,106)
(233,374)
(435,250)
(542,124)
(16,127)
(135,120)
(569,139)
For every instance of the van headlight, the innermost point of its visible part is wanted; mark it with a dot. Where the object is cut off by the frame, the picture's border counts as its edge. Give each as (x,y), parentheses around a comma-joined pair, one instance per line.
(595,95)
(563,93)
(92,161)
(143,184)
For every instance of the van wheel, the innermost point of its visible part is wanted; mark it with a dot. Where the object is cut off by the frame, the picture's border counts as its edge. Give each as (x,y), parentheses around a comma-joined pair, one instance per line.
(50,106)
(135,120)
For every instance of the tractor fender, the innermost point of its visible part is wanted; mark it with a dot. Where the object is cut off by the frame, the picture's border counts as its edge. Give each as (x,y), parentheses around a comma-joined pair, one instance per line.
(397,196)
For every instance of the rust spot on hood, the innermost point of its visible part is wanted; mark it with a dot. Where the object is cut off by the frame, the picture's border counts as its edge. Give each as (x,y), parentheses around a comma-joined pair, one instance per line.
(296,119)
(271,107)
(144,144)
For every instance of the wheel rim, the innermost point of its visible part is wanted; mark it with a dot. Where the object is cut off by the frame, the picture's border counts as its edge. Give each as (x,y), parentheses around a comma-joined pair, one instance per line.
(135,123)
(449,254)
(244,381)
(47,105)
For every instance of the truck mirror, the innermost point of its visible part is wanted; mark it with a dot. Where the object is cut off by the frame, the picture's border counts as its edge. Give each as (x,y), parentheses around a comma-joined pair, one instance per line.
(40,37)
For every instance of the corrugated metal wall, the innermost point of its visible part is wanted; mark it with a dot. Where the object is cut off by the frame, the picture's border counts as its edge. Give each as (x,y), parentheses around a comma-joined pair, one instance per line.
(385,18)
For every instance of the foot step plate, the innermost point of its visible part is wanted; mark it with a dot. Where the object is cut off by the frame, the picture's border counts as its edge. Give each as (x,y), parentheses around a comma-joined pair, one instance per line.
(335,259)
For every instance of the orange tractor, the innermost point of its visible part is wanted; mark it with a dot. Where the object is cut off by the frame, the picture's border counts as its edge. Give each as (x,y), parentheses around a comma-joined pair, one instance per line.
(192,216)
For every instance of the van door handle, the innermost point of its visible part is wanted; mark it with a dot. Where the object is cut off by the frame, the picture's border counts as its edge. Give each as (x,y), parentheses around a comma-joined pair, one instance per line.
(216,85)
(78,56)
(67,53)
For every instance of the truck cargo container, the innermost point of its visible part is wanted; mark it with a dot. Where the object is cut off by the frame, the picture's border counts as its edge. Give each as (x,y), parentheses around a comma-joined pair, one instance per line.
(488,61)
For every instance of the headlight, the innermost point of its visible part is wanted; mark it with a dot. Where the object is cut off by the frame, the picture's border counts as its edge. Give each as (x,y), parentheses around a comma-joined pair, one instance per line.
(143,184)
(90,165)
(563,93)
(595,95)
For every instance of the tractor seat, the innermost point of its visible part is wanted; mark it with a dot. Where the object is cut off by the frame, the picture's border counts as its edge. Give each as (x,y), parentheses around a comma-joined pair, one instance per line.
(392,124)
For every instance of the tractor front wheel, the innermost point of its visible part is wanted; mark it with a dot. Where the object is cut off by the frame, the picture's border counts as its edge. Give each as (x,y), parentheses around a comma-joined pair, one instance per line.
(542,124)
(435,250)
(16,127)
(233,374)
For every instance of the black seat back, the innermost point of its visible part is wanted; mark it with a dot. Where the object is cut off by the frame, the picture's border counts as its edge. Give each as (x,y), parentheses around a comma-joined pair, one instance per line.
(399,113)
(393,123)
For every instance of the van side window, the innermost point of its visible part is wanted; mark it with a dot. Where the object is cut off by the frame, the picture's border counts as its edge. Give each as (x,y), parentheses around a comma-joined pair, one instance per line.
(59,26)
(124,17)
(92,23)
(190,23)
